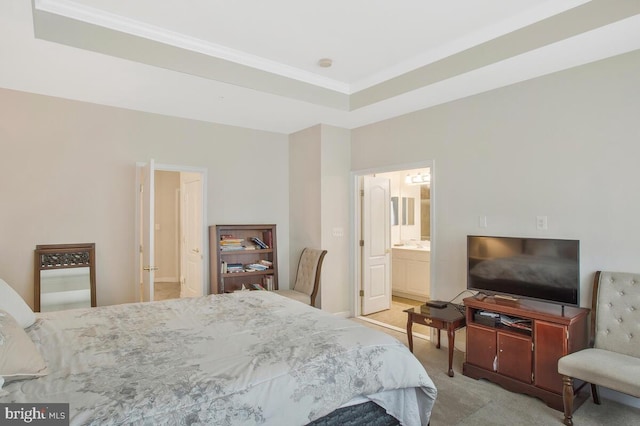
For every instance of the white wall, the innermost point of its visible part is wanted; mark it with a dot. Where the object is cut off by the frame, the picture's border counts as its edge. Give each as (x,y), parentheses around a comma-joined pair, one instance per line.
(565,146)
(304,194)
(336,160)
(319,162)
(67,173)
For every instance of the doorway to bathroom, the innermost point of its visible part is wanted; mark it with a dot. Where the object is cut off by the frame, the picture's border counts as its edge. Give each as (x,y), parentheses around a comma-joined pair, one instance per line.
(394,238)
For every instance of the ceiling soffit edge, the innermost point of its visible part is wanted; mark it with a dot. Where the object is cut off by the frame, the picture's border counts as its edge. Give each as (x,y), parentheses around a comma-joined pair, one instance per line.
(581,19)
(133,27)
(82,35)
(90,31)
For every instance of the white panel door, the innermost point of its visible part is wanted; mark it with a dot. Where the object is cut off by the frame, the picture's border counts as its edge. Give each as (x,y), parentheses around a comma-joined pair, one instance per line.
(376,210)
(192,247)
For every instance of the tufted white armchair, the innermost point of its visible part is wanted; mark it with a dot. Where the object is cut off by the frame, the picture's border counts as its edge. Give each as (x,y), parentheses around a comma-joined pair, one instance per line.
(307,282)
(613,361)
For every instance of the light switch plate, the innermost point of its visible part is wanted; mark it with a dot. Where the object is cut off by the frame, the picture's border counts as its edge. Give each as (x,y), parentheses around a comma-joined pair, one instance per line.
(541,222)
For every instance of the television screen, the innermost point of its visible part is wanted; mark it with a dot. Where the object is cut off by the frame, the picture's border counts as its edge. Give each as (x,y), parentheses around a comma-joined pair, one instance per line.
(535,268)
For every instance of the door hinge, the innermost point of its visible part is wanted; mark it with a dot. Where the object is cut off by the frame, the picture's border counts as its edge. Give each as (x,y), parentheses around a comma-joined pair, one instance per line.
(361,293)
(141,188)
(567,330)
(532,345)
(361,243)
(362,192)
(532,377)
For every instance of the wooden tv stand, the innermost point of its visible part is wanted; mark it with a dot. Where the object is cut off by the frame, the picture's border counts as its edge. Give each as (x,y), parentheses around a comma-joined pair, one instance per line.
(520,359)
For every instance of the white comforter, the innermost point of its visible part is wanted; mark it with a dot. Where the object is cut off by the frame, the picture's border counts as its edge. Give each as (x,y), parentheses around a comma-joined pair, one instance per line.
(235,359)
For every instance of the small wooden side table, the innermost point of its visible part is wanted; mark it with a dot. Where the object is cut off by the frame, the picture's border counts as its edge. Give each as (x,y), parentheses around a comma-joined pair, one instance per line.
(450,318)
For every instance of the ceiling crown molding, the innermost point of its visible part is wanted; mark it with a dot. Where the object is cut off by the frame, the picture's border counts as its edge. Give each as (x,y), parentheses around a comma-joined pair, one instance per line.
(125,25)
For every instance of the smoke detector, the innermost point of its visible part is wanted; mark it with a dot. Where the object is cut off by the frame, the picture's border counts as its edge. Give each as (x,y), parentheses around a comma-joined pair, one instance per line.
(325,62)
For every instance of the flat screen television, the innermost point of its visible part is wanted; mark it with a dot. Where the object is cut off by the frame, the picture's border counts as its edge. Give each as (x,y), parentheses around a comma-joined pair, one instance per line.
(534,268)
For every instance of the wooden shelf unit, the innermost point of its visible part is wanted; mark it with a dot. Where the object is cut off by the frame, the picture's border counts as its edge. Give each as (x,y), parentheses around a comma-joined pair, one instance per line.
(231,281)
(521,360)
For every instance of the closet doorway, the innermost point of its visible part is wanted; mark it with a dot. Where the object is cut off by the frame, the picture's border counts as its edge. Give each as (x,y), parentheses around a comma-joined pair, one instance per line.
(394,238)
(171,232)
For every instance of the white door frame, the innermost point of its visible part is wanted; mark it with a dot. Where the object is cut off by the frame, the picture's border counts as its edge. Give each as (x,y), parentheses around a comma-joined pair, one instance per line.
(356,229)
(205,229)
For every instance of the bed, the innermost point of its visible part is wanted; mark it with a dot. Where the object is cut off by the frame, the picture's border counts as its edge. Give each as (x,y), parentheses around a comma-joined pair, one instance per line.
(245,358)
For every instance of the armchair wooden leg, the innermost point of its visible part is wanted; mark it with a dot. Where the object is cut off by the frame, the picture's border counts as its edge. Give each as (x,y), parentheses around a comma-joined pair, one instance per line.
(594,394)
(567,399)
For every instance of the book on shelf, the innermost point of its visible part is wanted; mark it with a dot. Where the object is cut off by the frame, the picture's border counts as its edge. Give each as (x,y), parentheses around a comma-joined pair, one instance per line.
(232,248)
(268,282)
(229,243)
(235,267)
(266,263)
(237,242)
(257,286)
(267,238)
(259,243)
(256,267)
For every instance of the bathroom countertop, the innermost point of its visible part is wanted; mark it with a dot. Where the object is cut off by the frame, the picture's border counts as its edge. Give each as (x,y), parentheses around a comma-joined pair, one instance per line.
(418,246)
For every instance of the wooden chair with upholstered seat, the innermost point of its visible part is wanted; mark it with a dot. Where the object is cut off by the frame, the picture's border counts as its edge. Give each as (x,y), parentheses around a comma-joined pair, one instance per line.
(307,282)
(613,360)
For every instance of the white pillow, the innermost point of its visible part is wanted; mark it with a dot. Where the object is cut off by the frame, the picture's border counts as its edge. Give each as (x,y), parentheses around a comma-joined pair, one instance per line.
(19,357)
(11,302)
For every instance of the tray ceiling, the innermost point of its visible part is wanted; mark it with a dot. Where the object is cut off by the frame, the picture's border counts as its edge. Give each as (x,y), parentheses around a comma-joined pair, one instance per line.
(254,64)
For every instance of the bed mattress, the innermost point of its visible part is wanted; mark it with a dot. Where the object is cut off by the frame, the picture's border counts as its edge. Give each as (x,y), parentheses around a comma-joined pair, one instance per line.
(247,358)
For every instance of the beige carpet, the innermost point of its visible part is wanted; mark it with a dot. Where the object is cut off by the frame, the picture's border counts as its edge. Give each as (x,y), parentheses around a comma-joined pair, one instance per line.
(465,401)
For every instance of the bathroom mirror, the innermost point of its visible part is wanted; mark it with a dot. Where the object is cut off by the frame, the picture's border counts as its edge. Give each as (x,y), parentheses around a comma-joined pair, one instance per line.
(64,277)
(394,211)
(408,211)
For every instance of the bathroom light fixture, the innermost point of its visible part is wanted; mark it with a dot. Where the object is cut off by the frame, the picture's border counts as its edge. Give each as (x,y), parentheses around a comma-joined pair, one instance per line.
(418,179)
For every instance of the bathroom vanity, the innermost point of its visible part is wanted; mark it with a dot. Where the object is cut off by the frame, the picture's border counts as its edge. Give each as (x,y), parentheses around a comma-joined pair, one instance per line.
(411,270)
